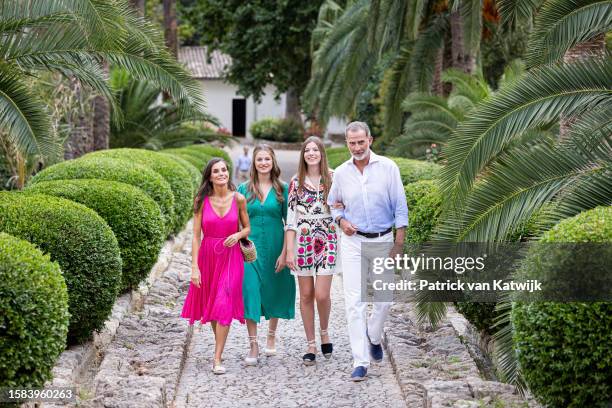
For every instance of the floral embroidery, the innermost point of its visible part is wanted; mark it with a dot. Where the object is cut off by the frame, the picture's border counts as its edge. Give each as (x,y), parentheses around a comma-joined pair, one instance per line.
(317,237)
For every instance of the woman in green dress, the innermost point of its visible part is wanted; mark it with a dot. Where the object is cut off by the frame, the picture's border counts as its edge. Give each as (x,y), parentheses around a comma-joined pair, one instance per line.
(268,286)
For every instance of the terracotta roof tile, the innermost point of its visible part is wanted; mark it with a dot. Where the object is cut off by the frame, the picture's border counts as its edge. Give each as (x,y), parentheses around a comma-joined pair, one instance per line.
(195,59)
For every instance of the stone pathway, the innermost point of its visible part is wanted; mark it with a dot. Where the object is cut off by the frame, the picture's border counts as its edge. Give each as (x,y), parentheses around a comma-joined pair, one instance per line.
(282,380)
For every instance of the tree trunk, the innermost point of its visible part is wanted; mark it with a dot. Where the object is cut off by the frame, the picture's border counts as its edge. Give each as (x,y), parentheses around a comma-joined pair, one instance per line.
(80,140)
(447,62)
(594,48)
(461,58)
(139,6)
(170,26)
(437,88)
(101,119)
(292,106)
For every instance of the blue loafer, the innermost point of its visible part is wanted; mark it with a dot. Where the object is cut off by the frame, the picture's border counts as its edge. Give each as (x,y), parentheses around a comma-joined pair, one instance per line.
(376,351)
(359,373)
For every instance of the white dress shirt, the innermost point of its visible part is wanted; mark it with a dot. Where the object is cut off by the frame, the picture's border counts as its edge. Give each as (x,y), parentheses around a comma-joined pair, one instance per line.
(374,200)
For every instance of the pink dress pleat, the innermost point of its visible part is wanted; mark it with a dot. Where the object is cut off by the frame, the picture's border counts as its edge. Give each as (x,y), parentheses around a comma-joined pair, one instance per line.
(219,297)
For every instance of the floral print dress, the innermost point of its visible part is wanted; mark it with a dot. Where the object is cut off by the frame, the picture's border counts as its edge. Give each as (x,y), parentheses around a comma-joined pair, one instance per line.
(316,232)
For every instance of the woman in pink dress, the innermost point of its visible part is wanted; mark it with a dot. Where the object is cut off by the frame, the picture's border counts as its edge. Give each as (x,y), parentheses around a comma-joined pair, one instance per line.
(217,266)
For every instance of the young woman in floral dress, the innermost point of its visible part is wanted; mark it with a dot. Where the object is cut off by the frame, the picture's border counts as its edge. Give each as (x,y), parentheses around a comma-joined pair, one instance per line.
(312,242)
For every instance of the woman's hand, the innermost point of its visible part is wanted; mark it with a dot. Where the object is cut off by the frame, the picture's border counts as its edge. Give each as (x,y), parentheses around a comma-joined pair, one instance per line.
(231,240)
(291,260)
(195,276)
(280,262)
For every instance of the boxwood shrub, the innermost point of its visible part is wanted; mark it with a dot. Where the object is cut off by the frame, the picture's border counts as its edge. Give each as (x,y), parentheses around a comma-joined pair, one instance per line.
(133,216)
(195,175)
(424,205)
(210,150)
(81,242)
(337,155)
(194,161)
(199,159)
(120,170)
(33,314)
(564,348)
(177,177)
(415,170)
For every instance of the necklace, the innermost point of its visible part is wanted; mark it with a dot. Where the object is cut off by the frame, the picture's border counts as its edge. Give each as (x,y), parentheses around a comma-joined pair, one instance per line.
(318,186)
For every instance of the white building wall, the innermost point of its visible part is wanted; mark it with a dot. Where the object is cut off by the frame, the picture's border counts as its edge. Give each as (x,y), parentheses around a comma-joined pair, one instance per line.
(219,95)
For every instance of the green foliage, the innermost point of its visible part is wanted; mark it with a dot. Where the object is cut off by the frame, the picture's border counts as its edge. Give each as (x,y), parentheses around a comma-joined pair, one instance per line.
(133,216)
(564,348)
(194,174)
(424,207)
(149,124)
(81,242)
(75,38)
(481,315)
(119,170)
(193,159)
(34,314)
(280,130)
(415,170)
(337,155)
(269,42)
(210,151)
(177,177)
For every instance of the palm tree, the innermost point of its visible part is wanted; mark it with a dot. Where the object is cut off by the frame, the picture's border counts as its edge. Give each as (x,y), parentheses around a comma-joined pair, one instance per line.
(150,123)
(74,38)
(412,32)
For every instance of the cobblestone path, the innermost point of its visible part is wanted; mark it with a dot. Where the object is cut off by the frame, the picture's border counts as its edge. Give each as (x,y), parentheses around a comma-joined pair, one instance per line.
(282,380)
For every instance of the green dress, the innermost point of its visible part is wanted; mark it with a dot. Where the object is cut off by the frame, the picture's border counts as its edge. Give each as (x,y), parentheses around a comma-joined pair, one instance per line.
(265,292)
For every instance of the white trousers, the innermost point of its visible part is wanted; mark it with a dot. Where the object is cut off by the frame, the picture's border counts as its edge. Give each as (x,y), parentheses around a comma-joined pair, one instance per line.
(354,249)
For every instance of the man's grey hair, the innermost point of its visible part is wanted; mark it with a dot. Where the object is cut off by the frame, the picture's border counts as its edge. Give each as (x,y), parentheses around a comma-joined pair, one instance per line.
(357,126)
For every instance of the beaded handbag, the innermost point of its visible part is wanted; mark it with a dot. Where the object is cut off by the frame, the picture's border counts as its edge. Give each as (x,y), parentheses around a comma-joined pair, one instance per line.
(249,252)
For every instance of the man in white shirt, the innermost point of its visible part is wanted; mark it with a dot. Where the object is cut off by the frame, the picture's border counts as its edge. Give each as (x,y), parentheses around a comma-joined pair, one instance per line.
(243,166)
(370,189)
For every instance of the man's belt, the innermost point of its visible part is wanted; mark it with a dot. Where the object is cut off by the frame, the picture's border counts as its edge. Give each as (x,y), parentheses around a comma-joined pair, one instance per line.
(375,234)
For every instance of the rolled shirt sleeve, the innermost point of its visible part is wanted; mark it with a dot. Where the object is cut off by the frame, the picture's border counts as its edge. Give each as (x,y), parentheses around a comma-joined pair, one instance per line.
(291,223)
(333,197)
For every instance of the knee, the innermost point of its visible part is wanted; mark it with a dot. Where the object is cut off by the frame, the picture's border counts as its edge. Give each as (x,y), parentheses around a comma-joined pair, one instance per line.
(322,296)
(307,297)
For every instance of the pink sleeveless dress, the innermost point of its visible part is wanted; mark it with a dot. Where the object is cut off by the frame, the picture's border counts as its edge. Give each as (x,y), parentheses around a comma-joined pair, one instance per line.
(219,297)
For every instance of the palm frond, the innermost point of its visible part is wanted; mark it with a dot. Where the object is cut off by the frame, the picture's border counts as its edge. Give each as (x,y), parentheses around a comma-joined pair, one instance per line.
(530,176)
(23,116)
(426,48)
(397,87)
(539,97)
(512,11)
(561,24)
(471,13)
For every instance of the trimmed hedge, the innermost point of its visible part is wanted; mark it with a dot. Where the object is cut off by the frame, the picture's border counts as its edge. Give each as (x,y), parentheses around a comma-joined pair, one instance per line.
(199,159)
(280,130)
(211,152)
(424,206)
(415,170)
(177,177)
(133,216)
(119,170)
(337,155)
(194,161)
(33,314)
(81,242)
(564,348)
(194,173)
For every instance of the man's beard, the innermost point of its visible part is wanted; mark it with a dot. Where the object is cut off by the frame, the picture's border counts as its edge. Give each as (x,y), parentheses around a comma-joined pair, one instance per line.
(362,156)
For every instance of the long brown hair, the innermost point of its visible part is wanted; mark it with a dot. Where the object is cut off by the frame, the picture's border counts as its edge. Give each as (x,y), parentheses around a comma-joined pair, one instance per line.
(326,178)
(253,183)
(206,188)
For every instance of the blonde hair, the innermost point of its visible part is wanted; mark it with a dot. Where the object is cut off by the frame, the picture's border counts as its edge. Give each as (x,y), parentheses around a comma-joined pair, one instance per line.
(326,178)
(253,183)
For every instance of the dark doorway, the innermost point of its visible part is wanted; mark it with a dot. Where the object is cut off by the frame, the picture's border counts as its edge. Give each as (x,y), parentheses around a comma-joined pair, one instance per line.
(239,117)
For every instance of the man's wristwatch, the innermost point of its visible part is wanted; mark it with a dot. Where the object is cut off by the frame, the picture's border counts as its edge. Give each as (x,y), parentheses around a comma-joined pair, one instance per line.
(338,219)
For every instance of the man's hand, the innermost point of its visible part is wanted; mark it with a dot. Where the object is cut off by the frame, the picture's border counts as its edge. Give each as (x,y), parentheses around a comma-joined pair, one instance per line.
(396,249)
(347,227)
